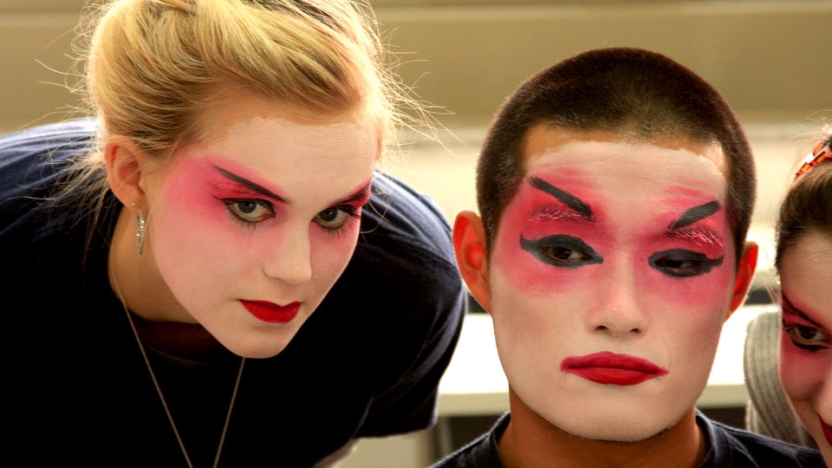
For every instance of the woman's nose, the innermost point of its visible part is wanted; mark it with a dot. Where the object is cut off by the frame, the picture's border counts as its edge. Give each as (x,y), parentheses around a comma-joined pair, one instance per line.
(289,258)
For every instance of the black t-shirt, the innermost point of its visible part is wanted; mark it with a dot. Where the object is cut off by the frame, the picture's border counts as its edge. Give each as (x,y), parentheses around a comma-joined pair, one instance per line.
(728,447)
(366,363)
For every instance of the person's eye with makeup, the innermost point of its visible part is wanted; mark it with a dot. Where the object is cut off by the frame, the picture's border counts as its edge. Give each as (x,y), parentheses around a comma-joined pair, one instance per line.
(335,218)
(806,337)
(561,251)
(683,263)
(249,211)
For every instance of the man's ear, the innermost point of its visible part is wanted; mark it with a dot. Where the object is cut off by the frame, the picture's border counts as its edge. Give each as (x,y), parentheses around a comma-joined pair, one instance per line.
(124,162)
(745,273)
(471,255)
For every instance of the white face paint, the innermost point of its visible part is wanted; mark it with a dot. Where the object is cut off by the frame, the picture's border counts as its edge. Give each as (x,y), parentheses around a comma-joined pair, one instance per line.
(806,344)
(250,227)
(611,276)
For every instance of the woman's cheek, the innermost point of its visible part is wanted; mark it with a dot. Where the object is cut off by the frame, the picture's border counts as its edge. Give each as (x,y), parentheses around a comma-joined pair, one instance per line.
(191,206)
(798,369)
(332,250)
(188,224)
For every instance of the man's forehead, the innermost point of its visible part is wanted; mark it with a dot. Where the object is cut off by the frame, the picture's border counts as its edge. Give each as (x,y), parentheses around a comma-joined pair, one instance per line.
(544,138)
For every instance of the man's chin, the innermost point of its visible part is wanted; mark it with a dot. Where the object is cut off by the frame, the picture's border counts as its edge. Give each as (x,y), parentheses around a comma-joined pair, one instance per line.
(629,437)
(623,432)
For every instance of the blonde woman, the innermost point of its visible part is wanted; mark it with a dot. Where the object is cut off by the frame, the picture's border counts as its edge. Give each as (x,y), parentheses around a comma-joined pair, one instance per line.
(212,272)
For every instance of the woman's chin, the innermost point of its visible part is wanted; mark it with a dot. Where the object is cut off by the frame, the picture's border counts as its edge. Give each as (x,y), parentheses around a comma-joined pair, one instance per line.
(257,348)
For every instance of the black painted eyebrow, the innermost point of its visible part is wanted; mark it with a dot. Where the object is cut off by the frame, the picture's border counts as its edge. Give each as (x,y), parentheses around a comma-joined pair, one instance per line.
(566,198)
(798,312)
(251,185)
(697,213)
(357,195)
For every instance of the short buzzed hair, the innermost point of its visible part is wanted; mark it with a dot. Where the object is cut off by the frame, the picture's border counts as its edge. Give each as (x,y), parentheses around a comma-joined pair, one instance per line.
(637,93)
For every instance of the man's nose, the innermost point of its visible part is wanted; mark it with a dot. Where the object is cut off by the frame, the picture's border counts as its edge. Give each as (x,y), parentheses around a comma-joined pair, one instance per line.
(617,311)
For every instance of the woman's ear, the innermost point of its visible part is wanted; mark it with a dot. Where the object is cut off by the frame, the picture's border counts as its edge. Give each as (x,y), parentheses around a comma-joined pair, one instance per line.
(124,161)
(472,256)
(745,273)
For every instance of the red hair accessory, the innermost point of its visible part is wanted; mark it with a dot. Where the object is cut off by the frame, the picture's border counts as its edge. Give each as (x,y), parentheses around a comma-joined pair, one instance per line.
(821,153)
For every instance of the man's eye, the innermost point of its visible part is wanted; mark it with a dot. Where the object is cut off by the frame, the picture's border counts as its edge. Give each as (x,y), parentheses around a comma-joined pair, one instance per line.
(249,211)
(563,254)
(682,263)
(806,337)
(333,219)
(561,251)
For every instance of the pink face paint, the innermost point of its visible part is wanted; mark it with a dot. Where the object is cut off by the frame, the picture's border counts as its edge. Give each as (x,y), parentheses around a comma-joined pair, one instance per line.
(610,278)
(249,229)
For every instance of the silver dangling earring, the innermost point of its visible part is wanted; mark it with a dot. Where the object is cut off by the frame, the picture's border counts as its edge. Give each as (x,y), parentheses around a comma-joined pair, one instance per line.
(139,229)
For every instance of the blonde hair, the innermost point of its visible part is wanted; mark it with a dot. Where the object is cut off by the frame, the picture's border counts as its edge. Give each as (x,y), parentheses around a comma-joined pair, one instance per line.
(154,65)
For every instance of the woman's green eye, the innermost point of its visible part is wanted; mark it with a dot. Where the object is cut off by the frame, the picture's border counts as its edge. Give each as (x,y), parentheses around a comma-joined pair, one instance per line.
(250,211)
(333,219)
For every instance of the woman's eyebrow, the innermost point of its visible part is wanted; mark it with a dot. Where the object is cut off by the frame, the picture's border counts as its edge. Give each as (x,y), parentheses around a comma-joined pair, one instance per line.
(697,213)
(257,188)
(792,310)
(362,193)
(564,197)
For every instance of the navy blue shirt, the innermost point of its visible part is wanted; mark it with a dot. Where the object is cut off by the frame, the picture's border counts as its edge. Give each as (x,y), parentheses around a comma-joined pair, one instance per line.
(728,447)
(366,363)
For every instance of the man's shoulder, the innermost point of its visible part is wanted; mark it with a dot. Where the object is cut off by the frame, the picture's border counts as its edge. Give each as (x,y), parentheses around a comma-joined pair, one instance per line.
(480,453)
(733,447)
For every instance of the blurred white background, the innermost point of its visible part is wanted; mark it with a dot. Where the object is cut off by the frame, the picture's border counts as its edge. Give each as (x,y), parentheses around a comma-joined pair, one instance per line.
(769,58)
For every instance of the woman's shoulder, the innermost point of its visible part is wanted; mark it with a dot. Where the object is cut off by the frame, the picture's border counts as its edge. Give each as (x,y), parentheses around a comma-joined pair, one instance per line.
(67,135)
(34,165)
(730,446)
(31,159)
(400,217)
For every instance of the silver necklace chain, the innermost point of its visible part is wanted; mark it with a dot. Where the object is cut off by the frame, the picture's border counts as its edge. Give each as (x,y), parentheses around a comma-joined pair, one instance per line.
(165,403)
(117,291)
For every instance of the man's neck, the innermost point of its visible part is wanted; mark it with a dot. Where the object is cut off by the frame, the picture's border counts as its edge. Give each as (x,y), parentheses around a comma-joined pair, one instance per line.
(532,442)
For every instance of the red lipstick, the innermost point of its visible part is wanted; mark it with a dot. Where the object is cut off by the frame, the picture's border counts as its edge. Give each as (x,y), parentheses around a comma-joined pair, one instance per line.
(613,369)
(827,431)
(271,312)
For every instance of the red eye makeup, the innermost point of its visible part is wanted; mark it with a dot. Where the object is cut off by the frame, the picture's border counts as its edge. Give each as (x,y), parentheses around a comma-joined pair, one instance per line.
(803,332)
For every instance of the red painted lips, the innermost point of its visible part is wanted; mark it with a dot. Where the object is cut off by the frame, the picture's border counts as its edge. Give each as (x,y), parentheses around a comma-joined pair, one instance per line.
(613,369)
(827,430)
(271,312)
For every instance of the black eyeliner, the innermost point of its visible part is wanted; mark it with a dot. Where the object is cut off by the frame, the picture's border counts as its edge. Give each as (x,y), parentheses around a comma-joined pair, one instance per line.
(538,247)
(705,264)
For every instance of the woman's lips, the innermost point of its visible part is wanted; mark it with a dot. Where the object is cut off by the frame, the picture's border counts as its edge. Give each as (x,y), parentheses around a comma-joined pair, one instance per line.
(271,312)
(827,431)
(611,368)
